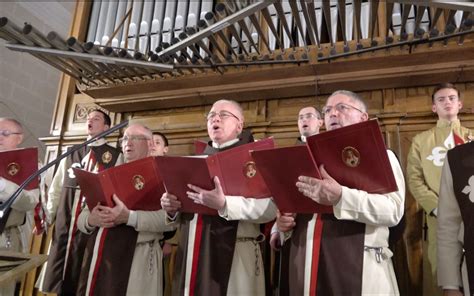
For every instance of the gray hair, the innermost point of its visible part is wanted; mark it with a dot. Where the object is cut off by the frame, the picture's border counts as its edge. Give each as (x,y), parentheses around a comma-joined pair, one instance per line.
(236,105)
(355,97)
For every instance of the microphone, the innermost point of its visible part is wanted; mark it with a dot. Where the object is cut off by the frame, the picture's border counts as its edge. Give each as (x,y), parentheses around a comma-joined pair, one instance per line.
(5,208)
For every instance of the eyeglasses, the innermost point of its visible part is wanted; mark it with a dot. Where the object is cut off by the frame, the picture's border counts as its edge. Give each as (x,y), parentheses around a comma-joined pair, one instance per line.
(222,115)
(133,139)
(308,116)
(341,107)
(7,133)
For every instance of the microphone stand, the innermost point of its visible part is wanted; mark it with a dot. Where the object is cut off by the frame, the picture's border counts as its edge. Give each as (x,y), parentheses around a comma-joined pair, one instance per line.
(5,208)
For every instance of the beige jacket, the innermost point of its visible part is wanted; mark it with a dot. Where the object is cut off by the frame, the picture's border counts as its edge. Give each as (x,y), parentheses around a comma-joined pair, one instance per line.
(426,158)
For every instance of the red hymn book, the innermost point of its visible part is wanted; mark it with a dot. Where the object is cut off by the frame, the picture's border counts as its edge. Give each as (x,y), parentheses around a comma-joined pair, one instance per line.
(137,184)
(235,168)
(18,164)
(355,156)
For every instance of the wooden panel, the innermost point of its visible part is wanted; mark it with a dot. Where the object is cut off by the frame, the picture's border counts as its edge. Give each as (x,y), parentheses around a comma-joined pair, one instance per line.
(395,68)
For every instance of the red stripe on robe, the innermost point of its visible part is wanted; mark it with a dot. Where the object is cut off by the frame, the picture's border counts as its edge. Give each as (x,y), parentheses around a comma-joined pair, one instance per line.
(318,230)
(98,261)
(197,245)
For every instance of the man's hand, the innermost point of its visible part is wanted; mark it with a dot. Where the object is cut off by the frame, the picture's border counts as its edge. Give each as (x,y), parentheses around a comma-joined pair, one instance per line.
(118,214)
(214,199)
(170,203)
(285,222)
(326,191)
(275,241)
(97,217)
(452,293)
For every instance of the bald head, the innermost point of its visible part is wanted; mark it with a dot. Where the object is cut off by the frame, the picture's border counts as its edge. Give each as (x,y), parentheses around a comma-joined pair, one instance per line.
(235,107)
(11,133)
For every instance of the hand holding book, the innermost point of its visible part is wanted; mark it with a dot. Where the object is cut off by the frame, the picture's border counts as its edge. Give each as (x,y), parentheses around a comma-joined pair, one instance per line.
(138,184)
(104,216)
(354,156)
(325,191)
(214,199)
(191,180)
(170,203)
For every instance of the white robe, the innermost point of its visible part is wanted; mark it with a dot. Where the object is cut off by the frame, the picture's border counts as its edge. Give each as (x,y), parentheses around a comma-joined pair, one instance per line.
(247,275)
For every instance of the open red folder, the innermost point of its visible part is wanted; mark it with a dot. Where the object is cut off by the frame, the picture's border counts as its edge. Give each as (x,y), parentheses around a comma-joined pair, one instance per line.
(138,184)
(355,156)
(234,167)
(280,168)
(199,147)
(18,164)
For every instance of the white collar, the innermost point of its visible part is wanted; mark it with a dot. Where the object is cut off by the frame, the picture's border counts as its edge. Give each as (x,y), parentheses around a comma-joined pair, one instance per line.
(223,145)
(97,142)
(303,138)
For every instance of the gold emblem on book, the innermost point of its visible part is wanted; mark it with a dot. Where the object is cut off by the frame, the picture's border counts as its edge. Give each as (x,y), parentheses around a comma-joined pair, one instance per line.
(250,169)
(13,168)
(138,182)
(106,157)
(350,157)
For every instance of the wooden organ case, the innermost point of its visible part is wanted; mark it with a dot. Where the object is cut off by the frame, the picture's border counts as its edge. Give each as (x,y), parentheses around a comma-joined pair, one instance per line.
(163,63)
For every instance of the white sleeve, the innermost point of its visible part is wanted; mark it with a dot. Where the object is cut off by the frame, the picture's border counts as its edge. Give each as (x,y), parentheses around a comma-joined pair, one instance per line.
(449,226)
(27,199)
(82,223)
(374,209)
(256,210)
(153,221)
(283,236)
(54,192)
